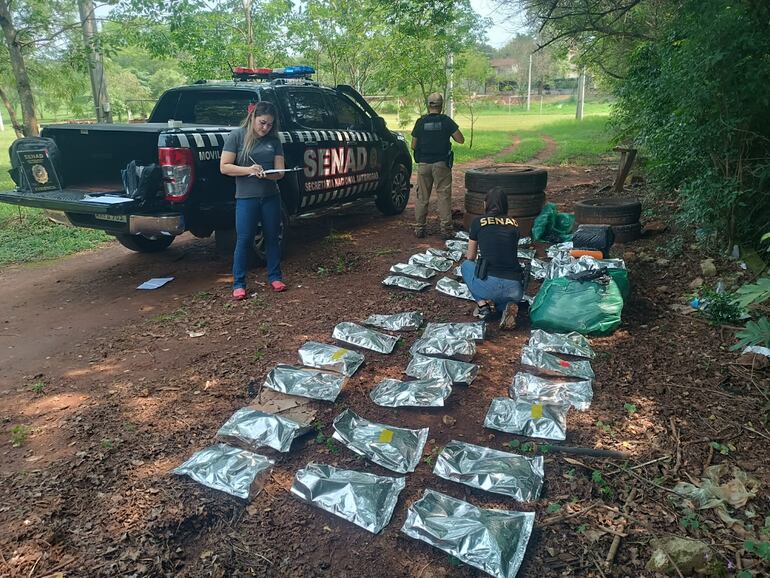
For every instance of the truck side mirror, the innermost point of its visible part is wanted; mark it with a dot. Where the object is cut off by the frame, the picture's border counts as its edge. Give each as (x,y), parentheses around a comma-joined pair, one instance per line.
(378,125)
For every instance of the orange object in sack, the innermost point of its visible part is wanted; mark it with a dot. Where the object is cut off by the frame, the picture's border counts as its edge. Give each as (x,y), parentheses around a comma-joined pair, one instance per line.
(577,253)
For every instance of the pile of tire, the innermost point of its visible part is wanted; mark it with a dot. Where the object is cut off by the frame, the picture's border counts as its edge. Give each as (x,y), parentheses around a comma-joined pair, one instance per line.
(524,185)
(620,213)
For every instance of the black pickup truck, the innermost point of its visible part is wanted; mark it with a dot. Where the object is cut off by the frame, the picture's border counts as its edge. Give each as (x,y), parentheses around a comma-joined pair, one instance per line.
(342,146)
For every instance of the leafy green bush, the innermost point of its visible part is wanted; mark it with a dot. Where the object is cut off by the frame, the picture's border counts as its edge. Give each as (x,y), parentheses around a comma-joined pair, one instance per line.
(695,101)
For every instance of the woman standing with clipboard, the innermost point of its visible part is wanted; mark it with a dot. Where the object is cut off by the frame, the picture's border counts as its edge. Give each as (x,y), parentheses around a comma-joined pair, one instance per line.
(248,152)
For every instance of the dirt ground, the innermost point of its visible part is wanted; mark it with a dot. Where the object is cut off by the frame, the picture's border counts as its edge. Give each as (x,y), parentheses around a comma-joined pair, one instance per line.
(114,391)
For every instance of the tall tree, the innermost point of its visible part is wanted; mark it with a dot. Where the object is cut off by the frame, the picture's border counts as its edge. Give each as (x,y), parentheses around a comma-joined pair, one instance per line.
(207,37)
(13,42)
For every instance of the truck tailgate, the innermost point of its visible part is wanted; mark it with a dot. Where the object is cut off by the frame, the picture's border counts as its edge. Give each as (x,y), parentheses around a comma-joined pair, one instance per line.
(71,201)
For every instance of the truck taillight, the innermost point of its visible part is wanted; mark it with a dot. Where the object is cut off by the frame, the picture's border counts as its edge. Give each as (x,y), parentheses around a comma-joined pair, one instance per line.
(178,172)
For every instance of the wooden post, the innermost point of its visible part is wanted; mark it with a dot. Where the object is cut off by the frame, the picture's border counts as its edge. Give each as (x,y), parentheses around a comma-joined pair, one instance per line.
(627,156)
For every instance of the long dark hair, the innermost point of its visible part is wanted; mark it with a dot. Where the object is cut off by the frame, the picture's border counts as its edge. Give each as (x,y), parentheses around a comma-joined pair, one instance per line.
(496,203)
(260,108)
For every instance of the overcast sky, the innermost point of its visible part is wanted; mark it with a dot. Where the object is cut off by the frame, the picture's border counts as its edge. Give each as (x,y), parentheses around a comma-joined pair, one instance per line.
(505,22)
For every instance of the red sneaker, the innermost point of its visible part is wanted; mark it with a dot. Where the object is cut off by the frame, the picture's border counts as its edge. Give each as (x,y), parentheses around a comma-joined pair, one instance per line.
(239,294)
(278,286)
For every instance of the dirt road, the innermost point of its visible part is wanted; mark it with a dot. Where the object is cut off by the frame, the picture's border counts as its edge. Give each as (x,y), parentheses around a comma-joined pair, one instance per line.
(113,390)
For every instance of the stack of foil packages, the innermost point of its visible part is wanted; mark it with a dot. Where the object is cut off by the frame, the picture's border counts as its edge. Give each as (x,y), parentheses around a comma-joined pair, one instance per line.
(538,404)
(444,352)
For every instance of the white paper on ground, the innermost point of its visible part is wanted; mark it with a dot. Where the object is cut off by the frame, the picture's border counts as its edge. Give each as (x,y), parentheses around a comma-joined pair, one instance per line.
(155,283)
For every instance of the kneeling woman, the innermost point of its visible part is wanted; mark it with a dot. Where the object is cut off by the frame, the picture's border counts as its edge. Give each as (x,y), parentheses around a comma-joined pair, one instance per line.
(492,271)
(248,152)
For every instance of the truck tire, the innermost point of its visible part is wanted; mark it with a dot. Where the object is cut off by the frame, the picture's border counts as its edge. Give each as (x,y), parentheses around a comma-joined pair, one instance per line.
(394,195)
(627,233)
(514,179)
(608,211)
(518,205)
(525,223)
(142,244)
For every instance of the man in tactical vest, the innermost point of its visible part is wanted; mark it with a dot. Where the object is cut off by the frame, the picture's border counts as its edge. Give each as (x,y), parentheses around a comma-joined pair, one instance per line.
(433,154)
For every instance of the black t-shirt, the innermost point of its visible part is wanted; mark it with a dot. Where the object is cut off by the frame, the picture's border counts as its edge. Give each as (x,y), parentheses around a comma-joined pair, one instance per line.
(498,239)
(432,132)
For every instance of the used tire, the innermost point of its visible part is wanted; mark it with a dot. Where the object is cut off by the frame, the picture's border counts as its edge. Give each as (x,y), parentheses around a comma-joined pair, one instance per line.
(393,197)
(525,223)
(513,179)
(142,244)
(518,205)
(608,211)
(627,233)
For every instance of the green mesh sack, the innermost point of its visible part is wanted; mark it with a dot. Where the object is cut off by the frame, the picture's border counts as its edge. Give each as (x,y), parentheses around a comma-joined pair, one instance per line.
(620,276)
(563,305)
(552,226)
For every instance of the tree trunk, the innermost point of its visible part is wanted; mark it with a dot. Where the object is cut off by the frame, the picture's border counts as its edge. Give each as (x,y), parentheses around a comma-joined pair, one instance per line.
(249,32)
(23,85)
(12,114)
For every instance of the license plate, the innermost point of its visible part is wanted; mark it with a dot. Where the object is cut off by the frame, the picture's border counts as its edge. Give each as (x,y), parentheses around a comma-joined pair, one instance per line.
(115,218)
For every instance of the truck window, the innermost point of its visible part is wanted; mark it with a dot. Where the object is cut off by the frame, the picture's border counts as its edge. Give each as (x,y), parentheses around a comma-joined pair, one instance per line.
(217,107)
(308,109)
(348,116)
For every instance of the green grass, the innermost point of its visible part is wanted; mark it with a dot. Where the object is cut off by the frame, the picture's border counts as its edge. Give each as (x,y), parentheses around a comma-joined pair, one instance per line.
(577,142)
(26,235)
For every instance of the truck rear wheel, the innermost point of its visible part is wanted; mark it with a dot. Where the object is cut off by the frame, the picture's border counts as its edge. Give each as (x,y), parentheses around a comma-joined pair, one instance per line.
(394,195)
(142,244)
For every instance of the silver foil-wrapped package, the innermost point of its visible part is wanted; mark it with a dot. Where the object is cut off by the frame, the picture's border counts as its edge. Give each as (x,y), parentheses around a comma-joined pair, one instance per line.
(550,364)
(395,448)
(525,418)
(498,472)
(472,330)
(418,271)
(454,288)
(304,382)
(446,253)
(359,336)
(405,283)
(559,248)
(424,367)
(364,499)
(572,343)
(330,357)
(525,254)
(429,392)
(462,235)
(458,272)
(257,429)
(431,261)
(457,245)
(561,267)
(408,321)
(525,241)
(552,391)
(228,469)
(538,269)
(450,347)
(493,541)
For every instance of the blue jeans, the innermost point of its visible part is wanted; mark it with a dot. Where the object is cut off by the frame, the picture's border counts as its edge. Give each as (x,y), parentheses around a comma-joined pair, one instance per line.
(248,214)
(500,291)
